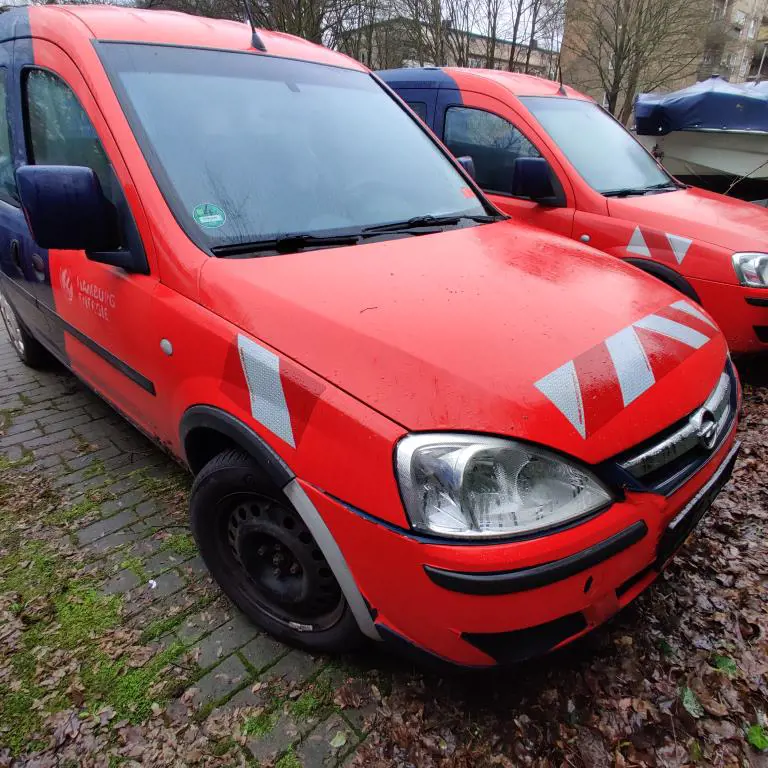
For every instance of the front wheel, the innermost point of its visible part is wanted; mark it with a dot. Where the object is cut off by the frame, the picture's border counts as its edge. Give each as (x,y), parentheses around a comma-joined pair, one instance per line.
(263,556)
(30,351)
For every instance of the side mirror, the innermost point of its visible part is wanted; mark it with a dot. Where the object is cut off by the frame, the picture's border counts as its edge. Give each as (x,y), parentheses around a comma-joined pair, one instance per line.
(468,164)
(66,209)
(531,178)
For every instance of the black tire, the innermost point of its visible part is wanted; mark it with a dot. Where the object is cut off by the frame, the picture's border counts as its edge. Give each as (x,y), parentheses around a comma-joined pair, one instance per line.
(263,556)
(30,351)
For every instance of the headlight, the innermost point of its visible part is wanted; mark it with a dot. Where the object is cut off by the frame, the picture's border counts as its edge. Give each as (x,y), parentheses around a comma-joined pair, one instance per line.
(752,269)
(472,486)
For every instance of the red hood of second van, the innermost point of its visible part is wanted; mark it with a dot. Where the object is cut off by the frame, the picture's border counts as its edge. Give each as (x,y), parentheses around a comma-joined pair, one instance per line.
(474,329)
(699,215)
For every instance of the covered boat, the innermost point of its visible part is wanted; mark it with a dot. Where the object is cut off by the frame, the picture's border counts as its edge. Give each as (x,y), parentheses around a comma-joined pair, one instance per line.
(709,133)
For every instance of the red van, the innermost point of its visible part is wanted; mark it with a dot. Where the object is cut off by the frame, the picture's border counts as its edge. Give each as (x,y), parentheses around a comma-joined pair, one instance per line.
(408,418)
(548,155)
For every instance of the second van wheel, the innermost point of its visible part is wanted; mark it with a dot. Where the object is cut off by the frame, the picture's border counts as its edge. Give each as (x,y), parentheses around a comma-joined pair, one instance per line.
(264,557)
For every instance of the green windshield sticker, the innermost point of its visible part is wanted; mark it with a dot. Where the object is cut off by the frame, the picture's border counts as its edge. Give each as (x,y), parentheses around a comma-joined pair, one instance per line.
(209,216)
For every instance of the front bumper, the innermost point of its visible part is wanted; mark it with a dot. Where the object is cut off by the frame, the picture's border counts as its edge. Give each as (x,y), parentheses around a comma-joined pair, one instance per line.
(740,312)
(483,604)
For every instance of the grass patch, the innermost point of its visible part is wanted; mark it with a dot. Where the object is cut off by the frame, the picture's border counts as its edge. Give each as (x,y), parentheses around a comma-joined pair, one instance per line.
(6,463)
(91,501)
(25,400)
(182,544)
(95,469)
(288,760)
(135,565)
(130,692)
(260,725)
(84,614)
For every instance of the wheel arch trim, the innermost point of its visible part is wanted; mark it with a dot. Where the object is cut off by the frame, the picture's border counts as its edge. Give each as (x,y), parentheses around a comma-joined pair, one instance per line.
(212,418)
(666,275)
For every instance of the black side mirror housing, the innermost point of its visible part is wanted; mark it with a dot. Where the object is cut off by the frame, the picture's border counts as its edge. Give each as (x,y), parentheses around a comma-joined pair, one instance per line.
(531,178)
(66,209)
(468,164)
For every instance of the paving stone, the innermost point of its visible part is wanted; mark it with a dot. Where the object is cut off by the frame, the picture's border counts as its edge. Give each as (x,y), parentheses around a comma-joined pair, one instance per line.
(103,527)
(163,561)
(167,583)
(199,624)
(219,681)
(329,741)
(51,439)
(294,668)
(59,449)
(223,641)
(112,541)
(122,581)
(262,651)
(21,437)
(267,747)
(194,567)
(125,500)
(250,698)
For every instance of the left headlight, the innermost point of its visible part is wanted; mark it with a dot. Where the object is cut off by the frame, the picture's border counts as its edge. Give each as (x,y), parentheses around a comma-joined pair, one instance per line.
(473,486)
(751,269)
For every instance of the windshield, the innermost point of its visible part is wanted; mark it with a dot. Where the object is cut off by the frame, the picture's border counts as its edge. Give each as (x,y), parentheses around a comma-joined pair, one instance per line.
(248,147)
(605,155)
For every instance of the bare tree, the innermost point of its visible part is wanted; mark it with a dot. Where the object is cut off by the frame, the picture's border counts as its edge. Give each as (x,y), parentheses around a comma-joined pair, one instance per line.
(622,46)
(491,30)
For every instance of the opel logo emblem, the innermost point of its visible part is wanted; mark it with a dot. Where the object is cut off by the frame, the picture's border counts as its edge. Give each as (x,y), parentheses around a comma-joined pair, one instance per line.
(705,424)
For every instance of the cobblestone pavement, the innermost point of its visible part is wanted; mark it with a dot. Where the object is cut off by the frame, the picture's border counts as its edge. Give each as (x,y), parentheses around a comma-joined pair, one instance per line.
(123,504)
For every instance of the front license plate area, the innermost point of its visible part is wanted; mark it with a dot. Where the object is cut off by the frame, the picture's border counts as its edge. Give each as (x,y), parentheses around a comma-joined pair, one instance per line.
(689,517)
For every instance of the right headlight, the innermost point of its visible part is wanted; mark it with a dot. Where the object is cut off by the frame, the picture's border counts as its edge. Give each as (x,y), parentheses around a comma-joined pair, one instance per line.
(751,269)
(474,486)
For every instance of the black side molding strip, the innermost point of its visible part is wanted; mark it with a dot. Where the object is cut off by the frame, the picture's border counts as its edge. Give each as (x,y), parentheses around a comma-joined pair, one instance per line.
(509,582)
(757,302)
(104,354)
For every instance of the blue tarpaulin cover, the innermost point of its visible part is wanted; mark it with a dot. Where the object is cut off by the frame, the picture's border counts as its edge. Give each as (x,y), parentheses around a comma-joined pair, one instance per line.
(711,104)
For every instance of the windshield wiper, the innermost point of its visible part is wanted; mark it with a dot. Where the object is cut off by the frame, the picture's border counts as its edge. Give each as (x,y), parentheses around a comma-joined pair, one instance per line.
(664,186)
(427,222)
(287,244)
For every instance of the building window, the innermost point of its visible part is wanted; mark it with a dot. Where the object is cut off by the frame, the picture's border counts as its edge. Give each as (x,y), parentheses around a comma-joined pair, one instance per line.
(753,28)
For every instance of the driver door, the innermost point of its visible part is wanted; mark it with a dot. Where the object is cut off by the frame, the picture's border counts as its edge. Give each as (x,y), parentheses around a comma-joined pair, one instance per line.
(488,131)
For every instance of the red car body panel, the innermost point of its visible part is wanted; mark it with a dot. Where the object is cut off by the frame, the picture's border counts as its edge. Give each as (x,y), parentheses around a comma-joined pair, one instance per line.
(716,226)
(459,331)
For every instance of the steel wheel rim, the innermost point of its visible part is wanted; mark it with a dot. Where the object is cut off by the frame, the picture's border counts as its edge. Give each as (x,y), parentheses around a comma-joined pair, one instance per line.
(287,576)
(11,324)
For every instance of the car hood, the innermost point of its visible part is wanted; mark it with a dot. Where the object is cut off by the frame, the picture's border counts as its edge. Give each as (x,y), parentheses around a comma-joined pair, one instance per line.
(497,329)
(699,215)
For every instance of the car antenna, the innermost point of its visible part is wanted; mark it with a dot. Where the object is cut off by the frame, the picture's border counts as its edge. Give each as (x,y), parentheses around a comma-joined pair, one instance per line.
(561,90)
(256,41)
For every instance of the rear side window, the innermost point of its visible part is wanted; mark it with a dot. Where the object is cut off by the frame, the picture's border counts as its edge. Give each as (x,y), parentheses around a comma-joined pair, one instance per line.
(59,130)
(8,191)
(420,108)
(493,143)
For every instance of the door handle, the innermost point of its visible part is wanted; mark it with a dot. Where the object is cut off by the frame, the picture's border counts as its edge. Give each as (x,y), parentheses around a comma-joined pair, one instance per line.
(16,255)
(39,266)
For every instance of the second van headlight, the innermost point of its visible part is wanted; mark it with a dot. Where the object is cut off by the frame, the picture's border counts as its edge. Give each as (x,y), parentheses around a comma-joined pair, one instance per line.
(474,486)
(752,269)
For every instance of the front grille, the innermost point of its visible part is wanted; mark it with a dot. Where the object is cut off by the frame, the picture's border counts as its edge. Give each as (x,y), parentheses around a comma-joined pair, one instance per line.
(663,463)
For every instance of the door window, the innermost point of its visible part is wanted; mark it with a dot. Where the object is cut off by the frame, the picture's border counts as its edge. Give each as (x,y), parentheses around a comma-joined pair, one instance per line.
(8,191)
(60,132)
(493,143)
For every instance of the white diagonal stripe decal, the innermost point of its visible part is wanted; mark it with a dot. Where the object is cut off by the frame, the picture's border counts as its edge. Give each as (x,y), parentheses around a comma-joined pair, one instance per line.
(637,244)
(631,364)
(262,375)
(684,306)
(679,246)
(673,330)
(562,388)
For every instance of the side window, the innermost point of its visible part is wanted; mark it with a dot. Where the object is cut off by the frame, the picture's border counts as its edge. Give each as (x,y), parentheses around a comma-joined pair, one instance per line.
(492,142)
(60,133)
(420,108)
(8,191)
